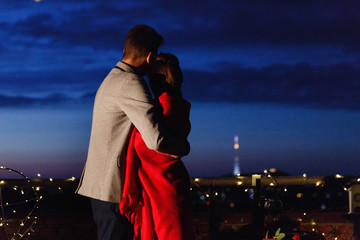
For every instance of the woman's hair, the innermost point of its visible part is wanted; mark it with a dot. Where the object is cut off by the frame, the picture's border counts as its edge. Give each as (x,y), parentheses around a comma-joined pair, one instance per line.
(168,65)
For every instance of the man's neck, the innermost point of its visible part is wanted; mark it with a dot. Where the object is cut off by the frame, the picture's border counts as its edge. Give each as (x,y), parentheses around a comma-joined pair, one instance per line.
(138,62)
(139,69)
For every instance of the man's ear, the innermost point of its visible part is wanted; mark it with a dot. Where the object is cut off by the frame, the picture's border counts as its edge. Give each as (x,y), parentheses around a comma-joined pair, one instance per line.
(149,57)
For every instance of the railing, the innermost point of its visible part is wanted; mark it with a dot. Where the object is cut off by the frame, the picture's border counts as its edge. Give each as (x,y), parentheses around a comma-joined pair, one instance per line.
(205,181)
(207,192)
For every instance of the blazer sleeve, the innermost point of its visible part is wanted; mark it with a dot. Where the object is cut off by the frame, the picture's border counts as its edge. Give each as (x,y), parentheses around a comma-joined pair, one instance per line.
(134,98)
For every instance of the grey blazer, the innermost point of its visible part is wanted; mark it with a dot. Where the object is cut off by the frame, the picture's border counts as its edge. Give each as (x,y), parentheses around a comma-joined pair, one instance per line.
(122,101)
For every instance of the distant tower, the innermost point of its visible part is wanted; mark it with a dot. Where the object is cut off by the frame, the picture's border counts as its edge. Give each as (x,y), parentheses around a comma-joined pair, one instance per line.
(236,159)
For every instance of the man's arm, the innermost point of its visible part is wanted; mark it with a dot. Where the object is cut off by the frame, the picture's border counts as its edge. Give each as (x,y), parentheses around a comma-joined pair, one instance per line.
(135,100)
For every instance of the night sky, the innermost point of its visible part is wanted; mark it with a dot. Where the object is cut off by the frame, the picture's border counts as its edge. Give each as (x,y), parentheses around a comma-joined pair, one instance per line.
(282,75)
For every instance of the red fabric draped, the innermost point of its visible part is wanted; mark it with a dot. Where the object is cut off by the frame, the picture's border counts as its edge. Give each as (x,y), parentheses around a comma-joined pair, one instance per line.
(156,187)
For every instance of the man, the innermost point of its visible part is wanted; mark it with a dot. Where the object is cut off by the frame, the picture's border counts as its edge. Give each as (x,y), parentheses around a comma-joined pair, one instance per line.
(123,101)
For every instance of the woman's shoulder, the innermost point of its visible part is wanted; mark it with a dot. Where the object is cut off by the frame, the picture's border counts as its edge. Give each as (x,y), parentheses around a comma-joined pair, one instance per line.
(171,103)
(173,98)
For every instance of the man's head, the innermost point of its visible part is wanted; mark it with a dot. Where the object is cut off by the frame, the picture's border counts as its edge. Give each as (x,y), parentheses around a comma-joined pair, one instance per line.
(141,45)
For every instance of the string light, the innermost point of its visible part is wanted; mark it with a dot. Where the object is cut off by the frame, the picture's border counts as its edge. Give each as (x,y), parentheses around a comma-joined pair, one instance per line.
(196,180)
(72,179)
(15,225)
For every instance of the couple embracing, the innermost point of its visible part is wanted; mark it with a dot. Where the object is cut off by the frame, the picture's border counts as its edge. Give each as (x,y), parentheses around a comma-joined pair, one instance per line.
(137,184)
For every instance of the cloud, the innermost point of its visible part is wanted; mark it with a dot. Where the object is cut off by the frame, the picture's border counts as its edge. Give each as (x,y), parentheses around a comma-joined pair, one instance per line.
(302,84)
(89,95)
(270,23)
(332,86)
(15,101)
(43,82)
(94,26)
(213,24)
(90,29)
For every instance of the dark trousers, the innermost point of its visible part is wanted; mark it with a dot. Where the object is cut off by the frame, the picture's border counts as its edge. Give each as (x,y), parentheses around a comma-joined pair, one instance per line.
(111,225)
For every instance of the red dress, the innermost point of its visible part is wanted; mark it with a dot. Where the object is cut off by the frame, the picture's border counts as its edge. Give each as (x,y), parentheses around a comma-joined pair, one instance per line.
(156,187)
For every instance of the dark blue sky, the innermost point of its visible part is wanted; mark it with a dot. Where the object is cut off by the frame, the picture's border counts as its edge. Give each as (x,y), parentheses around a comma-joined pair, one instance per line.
(283,75)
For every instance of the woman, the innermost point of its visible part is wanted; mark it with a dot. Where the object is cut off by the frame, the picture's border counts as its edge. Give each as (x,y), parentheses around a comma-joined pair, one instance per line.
(156,192)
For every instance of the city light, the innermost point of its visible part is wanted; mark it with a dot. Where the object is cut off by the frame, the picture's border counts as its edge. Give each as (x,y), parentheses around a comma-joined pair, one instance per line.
(71,179)
(236,142)
(236,170)
(206,196)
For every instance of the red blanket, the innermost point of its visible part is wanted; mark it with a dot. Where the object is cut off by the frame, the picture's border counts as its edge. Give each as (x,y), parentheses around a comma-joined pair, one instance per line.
(156,187)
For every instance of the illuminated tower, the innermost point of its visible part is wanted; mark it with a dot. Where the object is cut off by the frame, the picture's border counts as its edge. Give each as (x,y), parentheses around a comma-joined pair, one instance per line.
(236,159)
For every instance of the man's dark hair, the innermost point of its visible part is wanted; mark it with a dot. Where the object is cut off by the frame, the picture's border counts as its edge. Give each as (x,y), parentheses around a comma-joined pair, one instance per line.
(141,40)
